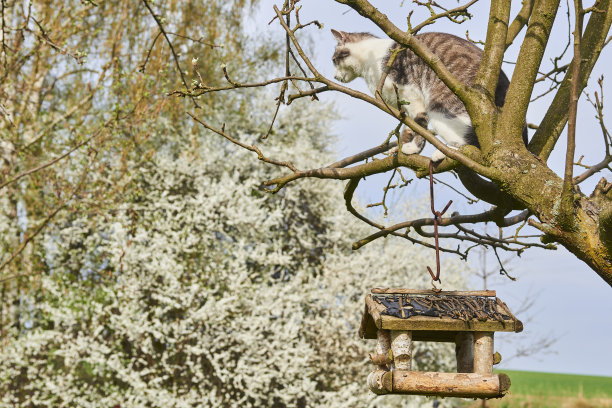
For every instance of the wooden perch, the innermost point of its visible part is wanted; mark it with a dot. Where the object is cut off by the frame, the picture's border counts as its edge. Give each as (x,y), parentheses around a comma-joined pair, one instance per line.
(464,385)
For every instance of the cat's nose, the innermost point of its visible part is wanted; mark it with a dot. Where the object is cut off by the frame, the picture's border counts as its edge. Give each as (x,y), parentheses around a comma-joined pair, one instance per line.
(339,76)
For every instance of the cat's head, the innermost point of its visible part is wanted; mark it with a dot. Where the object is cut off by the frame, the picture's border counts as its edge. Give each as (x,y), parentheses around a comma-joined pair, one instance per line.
(346,63)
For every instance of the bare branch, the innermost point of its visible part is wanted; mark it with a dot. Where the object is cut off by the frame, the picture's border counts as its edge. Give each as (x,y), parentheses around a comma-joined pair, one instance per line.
(454,219)
(519,22)
(527,66)
(252,148)
(31,236)
(553,123)
(55,160)
(348,197)
(174,55)
(457,15)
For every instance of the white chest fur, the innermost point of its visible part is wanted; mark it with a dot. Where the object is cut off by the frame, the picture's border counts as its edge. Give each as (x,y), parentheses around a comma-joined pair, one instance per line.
(369,54)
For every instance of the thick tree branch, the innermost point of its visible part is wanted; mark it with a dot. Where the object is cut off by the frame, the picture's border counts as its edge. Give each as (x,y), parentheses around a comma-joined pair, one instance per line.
(495,45)
(527,65)
(486,190)
(605,226)
(413,161)
(567,195)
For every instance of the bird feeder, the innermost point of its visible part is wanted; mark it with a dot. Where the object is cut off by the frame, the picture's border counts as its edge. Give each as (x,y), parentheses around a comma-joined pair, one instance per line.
(398,317)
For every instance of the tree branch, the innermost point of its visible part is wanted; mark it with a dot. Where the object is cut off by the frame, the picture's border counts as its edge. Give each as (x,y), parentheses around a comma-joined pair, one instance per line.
(174,55)
(519,22)
(55,160)
(487,76)
(452,15)
(348,198)
(486,190)
(593,39)
(251,148)
(527,65)
(31,236)
(567,195)
(455,219)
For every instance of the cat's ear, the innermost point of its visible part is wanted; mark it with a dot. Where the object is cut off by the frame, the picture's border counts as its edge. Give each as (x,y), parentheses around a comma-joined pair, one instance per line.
(339,35)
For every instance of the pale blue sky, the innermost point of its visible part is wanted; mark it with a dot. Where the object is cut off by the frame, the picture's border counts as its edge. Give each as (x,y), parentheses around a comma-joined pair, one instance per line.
(571,302)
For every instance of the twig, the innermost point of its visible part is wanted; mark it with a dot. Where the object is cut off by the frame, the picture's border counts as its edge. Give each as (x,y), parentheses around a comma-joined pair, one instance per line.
(174,55)
(502,270)
(452,15)
(146,61)
(252,148)
(29,237)
(55,160)
(348,197)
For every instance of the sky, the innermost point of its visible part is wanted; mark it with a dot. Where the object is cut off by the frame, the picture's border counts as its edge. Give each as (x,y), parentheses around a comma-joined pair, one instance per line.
(571,304)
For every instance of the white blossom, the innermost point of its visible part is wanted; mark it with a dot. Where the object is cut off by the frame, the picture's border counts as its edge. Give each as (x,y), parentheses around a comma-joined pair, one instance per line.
(212,293)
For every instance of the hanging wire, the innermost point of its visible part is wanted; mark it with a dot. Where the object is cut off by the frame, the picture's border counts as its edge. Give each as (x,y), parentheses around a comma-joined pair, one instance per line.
(437,218)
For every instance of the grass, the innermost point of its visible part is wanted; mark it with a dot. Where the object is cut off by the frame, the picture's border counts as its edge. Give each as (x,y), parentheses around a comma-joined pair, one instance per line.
(559,385)
(547,390)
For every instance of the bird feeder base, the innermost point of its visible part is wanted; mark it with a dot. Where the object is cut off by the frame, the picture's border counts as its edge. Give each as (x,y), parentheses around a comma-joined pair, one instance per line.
(463,385)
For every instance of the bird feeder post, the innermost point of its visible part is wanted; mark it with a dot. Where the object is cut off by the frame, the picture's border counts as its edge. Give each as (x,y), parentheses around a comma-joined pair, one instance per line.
(464,350)
(483,352)
(383,342)
(401,346)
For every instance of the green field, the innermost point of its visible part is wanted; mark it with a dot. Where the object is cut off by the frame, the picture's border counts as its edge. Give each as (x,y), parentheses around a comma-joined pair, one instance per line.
(543,390)
(561,385)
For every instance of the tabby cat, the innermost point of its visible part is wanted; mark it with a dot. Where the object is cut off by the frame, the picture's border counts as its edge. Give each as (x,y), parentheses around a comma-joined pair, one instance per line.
(431,103)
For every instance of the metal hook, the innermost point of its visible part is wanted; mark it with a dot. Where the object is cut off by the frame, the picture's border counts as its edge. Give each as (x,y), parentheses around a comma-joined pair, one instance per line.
(434,288)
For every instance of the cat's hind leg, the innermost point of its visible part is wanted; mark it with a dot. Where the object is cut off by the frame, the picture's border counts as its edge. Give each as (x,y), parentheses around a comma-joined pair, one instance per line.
(412,143)
(455,130)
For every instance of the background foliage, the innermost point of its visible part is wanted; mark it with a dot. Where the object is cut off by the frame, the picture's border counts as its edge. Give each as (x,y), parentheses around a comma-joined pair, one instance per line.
(142,265)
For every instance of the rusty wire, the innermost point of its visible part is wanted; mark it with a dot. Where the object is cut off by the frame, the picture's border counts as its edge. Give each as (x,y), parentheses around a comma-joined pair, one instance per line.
(437,218)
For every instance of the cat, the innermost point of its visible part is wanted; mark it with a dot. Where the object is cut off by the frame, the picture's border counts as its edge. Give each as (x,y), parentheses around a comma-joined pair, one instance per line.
(431,103)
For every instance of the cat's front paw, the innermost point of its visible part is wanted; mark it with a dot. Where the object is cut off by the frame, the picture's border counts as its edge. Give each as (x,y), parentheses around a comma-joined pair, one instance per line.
(411,148)
(407,148)
(437,156)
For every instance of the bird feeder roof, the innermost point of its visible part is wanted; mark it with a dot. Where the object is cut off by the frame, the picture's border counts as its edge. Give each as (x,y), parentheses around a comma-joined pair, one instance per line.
(435,316)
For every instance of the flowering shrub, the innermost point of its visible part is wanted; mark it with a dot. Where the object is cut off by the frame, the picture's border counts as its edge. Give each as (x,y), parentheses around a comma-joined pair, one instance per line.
(204,291)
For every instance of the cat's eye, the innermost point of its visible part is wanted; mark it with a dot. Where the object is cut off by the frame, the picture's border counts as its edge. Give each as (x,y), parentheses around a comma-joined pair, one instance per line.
(340,55)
